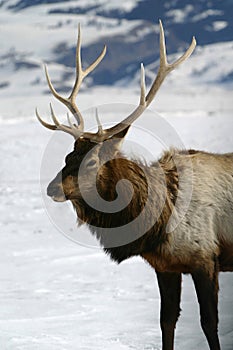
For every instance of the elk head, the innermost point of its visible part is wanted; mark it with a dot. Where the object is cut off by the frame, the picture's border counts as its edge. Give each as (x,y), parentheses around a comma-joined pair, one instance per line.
(94,152)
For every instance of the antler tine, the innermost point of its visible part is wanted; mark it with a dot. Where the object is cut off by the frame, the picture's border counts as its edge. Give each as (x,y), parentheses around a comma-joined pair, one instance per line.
(46,125)
(66,101)
(72,129)
(143,86)
(165,68)
(100,128)
(163,71)
(81,74)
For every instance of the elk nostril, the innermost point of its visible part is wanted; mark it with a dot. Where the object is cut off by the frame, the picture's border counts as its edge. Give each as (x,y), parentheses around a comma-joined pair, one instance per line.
(52,190)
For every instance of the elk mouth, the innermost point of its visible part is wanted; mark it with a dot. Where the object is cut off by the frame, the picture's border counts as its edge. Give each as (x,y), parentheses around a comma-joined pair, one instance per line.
(63,197)
(56,193)
(59,198)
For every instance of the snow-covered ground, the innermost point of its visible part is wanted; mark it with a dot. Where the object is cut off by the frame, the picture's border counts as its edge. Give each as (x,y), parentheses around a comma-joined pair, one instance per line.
(56,294)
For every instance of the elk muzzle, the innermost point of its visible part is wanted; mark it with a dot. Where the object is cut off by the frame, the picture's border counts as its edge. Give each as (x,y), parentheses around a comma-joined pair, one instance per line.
(55,189)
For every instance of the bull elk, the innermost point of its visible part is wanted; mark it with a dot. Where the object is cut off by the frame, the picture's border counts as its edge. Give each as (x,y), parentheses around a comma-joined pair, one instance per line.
(201,243)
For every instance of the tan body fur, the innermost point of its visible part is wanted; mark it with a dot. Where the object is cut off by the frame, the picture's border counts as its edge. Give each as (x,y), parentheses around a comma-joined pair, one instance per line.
(207,227)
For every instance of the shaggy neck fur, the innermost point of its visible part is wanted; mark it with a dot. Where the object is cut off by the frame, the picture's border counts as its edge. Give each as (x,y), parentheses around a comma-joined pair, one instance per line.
(163,180)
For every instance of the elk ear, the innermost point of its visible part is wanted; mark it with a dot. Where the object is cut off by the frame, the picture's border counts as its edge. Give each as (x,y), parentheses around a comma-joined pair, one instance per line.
(113,145)
(122,133)
(118,138)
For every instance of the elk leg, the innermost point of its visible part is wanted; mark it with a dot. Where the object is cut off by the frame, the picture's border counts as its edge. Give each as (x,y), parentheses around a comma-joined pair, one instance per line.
(170,291)
(207,294)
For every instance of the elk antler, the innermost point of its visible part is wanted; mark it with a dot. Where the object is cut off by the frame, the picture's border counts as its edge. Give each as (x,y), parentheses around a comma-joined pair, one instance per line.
(74,130)
(164,69)
(103,134)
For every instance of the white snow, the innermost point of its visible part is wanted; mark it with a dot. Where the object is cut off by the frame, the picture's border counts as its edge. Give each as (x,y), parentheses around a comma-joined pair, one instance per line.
(58,295)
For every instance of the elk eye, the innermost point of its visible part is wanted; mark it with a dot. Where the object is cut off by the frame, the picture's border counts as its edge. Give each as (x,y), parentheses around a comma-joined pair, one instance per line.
(91,163)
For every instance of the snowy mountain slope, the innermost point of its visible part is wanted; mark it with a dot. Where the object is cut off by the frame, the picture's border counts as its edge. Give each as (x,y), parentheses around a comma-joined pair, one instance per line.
(211,19)
(33,32)
(21,74)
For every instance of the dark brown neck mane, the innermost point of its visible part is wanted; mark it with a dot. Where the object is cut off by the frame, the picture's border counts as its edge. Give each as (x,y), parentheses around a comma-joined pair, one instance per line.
(137,174)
